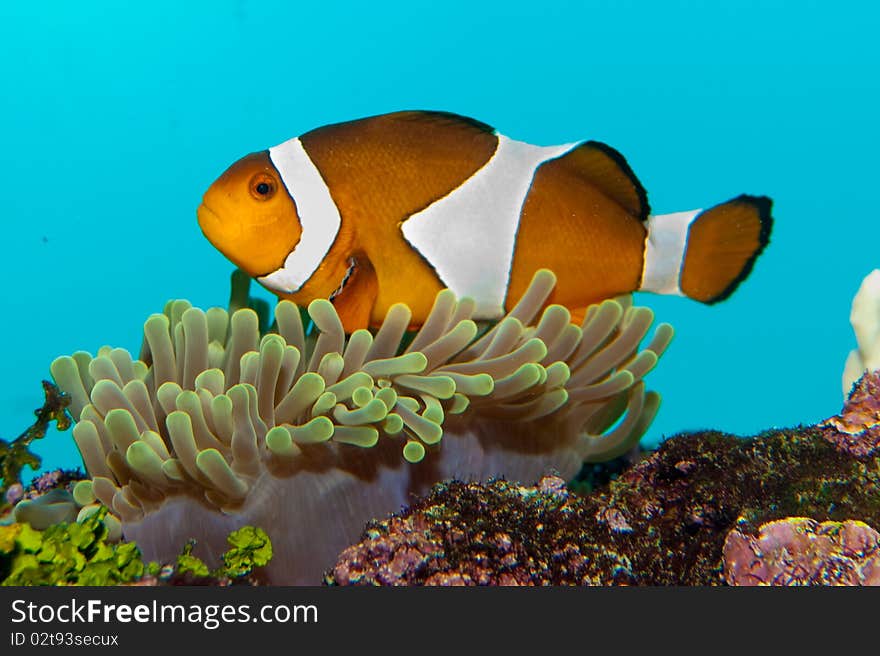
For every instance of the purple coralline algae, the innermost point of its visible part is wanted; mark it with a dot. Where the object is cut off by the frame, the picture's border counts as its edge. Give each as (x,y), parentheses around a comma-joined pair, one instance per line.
(802,551)
(856,430)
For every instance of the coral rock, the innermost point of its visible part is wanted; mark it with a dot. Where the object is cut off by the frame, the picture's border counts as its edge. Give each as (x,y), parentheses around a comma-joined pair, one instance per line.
(664,521)
(470,534)
(856,430)
(801,551)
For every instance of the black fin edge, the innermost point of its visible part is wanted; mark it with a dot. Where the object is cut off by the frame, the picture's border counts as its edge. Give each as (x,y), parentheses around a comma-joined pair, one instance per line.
(764,205)
(413,115)
(451,117)
(620,160)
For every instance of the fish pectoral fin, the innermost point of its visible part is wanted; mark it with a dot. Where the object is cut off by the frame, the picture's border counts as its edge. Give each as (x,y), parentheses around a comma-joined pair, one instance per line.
(354,304)
(577,316)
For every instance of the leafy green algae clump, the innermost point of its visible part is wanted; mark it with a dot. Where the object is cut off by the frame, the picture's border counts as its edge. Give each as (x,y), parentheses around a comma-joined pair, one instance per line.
(251,548)
(79,553)
(67,554)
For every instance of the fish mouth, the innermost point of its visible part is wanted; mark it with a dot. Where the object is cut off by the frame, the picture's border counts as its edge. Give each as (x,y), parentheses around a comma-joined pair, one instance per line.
(352,265)
(207,218)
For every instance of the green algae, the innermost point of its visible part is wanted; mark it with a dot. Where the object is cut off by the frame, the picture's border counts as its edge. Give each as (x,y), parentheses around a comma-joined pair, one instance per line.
(67,554)
(80,553)
(250,548)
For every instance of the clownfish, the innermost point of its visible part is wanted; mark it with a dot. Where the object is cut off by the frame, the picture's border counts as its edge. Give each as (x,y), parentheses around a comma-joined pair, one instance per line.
(395,207)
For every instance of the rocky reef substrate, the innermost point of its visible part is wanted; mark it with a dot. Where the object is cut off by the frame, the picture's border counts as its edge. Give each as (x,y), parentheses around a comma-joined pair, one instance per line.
(794,506)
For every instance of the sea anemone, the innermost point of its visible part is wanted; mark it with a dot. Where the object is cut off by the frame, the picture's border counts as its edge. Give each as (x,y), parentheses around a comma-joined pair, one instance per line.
(309,436)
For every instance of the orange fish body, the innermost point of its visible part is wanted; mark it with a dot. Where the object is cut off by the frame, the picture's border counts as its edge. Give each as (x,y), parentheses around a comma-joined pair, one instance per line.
(394,208)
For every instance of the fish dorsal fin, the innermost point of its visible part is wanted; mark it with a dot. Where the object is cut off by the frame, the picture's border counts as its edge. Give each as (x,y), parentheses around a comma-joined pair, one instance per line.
(440,119)
(607,170)
(416,156)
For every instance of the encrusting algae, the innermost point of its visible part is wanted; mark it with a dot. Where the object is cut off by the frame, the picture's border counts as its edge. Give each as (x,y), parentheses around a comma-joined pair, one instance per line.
(307,437)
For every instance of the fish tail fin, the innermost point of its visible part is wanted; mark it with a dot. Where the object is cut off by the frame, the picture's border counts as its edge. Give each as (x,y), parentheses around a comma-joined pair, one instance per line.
(706,254)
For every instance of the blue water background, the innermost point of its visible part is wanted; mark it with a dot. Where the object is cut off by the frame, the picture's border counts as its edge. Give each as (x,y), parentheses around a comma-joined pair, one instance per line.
(116,116)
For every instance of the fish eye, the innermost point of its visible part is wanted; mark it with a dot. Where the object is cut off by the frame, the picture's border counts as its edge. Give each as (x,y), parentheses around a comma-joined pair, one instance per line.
(262,186)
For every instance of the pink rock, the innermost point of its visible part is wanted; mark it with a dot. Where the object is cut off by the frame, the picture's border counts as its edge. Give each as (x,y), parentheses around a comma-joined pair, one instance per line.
(856,430)
(801,551)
